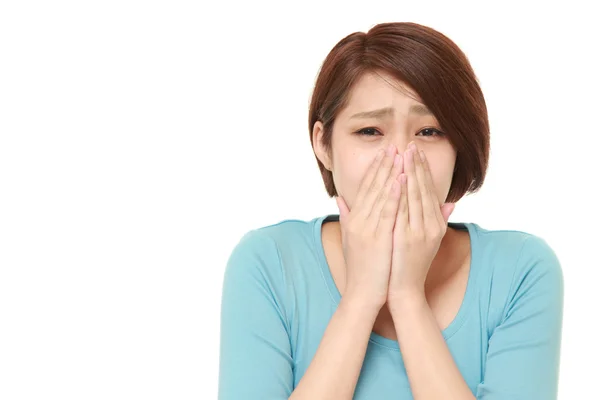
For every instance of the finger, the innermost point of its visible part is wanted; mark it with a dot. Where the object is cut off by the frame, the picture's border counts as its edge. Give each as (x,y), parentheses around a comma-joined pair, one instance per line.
(430,217)
(447,209)
(343,207)
(378,182)
(383,216)
(401,225)
(435,203)
(367,179)
(415,208)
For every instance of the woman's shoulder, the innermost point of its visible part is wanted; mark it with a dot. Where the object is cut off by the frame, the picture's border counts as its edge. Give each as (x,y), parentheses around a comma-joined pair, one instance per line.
(268,244)
(514,255)
(291,231)
(513,242)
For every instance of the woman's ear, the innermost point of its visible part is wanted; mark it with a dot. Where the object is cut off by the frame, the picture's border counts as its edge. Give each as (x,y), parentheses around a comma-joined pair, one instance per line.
(318,147)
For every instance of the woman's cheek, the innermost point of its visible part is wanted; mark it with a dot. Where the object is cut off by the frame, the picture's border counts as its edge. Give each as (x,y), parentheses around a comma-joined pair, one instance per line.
(442,186)
(349,174)
(358,166)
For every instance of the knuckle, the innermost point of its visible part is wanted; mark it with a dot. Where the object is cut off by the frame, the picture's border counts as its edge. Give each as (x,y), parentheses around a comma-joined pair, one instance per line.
(419,236)
(386,214)
(384,194)
(378,243)
(377,185)
(374,188)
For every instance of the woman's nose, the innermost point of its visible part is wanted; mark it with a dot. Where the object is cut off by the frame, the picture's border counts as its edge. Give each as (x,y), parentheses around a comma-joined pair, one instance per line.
(401,145)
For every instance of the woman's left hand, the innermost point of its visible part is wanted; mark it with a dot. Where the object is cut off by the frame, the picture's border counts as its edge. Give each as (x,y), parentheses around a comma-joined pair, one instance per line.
(420,226)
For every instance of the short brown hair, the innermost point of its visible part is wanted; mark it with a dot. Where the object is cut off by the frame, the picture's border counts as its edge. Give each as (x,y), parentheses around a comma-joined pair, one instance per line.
(434,67)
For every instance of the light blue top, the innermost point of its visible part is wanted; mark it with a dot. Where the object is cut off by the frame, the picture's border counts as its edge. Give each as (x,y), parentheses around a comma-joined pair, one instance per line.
(279,295)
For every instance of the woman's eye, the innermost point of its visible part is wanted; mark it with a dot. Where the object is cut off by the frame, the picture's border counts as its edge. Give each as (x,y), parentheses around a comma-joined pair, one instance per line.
(431,132)
(367,131)
(427,132)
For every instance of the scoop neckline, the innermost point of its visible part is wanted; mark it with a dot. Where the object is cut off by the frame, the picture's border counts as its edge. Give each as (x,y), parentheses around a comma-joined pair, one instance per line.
(470,290)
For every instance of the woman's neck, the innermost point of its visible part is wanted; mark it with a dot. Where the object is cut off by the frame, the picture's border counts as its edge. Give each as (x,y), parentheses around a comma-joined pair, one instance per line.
(448,259)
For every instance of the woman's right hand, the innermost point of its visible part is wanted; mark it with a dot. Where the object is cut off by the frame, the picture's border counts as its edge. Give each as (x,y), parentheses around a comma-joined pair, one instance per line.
(367,230)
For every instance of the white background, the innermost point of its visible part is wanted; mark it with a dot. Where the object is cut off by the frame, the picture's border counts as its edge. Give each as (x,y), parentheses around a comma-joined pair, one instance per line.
(140,140)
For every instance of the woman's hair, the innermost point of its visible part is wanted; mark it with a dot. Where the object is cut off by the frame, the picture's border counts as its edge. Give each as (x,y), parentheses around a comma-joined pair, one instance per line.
(434,67)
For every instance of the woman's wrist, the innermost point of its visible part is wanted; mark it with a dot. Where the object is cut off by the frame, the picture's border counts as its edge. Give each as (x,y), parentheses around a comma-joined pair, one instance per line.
(366,306)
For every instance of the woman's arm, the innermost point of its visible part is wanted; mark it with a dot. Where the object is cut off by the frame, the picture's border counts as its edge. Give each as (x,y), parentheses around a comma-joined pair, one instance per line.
(255,351)
(523,358)
(430,367)
(524,350)
(334,370)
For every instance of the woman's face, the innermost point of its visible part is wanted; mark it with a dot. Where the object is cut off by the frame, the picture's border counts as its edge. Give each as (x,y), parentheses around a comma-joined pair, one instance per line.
(356,139)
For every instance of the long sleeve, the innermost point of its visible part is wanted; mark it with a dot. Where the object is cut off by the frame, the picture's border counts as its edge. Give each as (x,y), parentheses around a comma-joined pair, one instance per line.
(255,352)
(524,350)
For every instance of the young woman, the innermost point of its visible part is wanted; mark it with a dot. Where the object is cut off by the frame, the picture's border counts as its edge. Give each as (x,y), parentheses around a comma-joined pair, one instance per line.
(389,300)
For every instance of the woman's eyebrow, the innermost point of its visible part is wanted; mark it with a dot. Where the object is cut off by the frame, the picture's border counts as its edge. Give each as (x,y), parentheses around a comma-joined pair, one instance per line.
(418,109)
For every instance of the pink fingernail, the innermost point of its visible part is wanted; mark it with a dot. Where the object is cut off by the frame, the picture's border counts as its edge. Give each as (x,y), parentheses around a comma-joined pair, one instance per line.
(396,159)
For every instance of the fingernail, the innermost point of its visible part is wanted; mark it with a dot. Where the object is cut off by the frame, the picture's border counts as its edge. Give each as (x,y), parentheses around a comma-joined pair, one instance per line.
(396,159)
(422,155)
(412,146)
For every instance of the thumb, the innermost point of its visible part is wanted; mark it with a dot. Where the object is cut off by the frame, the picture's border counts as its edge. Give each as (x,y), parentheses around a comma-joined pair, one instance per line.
(343,207)
(447,209)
